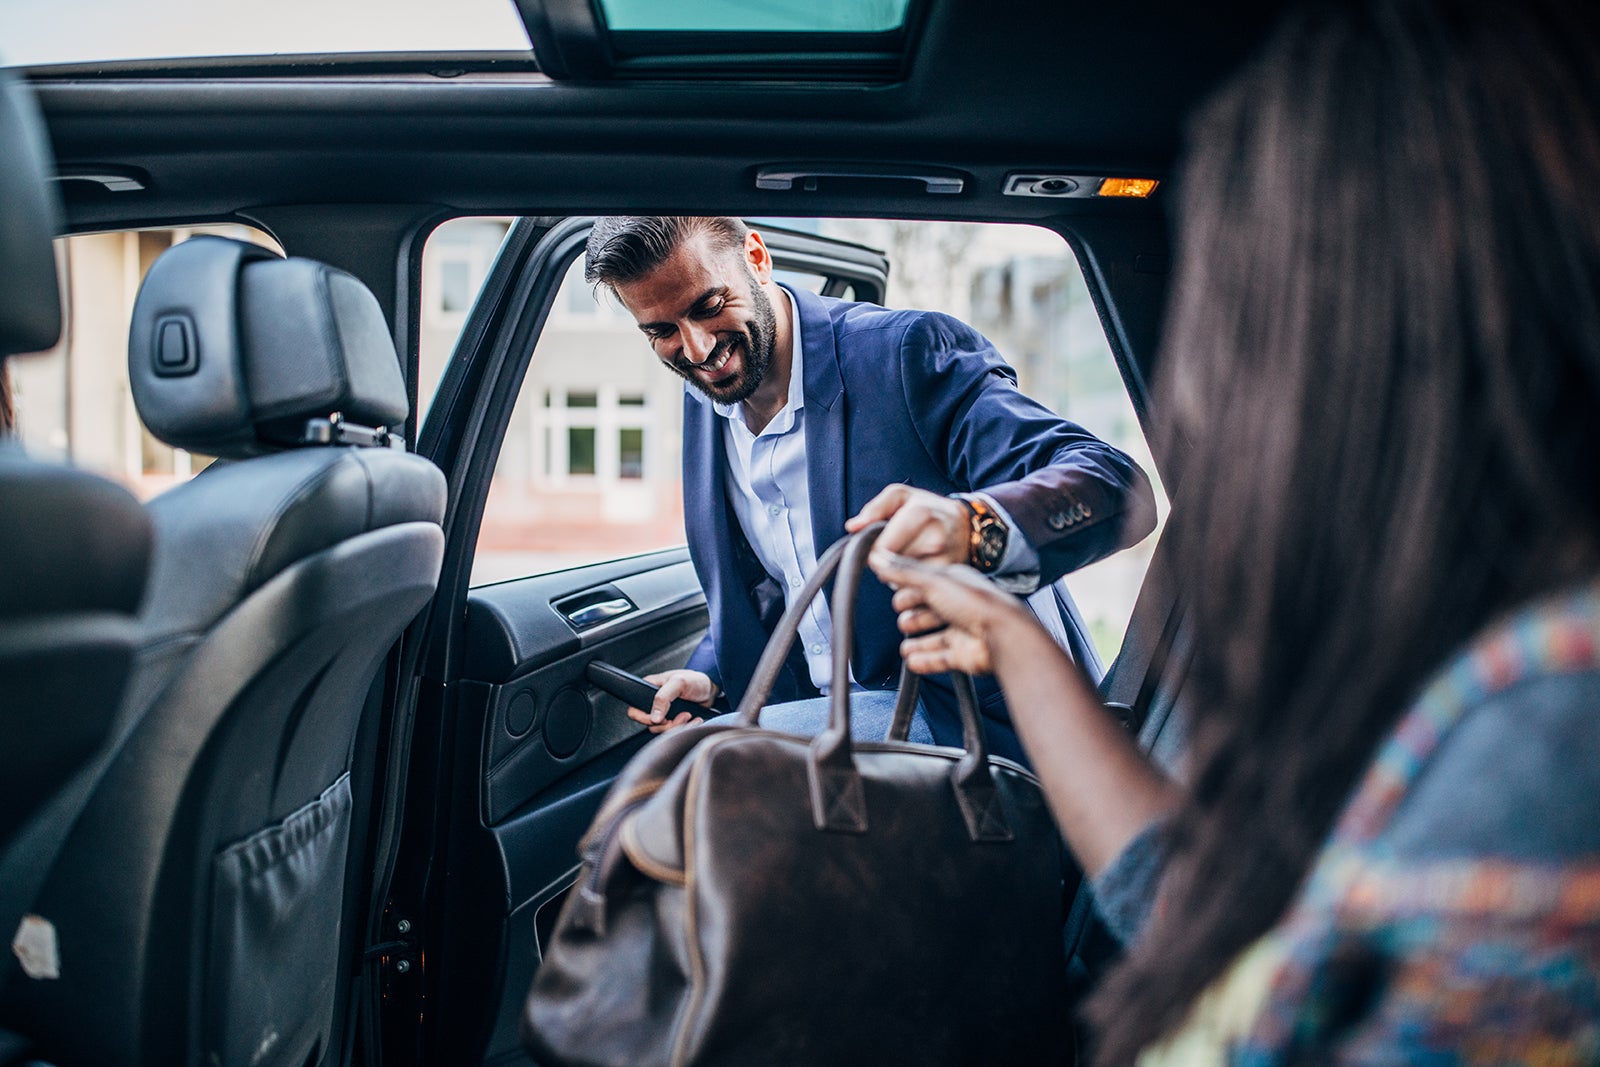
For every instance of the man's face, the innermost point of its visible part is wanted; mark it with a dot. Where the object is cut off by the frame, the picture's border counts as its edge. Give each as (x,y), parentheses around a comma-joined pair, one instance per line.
(707,318)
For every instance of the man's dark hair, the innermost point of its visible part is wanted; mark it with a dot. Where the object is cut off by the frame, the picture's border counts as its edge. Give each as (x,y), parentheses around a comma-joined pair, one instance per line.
(624,247)
(1383,345)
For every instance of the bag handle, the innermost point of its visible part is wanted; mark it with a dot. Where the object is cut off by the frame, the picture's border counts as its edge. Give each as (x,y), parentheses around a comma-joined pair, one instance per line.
(838,802)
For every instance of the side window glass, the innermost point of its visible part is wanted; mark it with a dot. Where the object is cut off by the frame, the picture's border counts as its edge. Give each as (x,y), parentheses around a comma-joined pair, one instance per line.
(455,262)
(590,465)
(73,402)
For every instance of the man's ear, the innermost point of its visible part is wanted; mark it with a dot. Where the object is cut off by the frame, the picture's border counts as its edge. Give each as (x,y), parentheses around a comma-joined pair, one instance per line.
(757,256)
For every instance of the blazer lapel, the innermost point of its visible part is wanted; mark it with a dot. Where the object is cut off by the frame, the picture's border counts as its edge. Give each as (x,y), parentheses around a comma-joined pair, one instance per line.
(826,469)
(706,514)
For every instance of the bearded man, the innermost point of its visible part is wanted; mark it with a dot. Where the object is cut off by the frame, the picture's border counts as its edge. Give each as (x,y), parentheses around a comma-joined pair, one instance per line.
(806,417)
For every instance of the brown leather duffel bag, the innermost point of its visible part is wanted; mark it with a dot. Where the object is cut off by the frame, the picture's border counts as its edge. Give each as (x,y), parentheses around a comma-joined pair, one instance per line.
(753,897)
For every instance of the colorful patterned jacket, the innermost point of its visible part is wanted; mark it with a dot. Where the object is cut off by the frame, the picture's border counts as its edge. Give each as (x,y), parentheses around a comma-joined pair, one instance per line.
(1454,915)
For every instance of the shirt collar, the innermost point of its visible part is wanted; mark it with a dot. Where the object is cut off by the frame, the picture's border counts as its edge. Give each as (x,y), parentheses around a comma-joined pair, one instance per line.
(783,421)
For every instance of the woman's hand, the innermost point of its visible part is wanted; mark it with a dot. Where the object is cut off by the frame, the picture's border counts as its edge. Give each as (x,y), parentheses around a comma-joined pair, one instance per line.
(1100,787)
(975,615)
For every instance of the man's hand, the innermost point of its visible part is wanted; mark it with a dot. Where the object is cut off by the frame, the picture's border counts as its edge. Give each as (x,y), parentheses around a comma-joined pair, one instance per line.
(687,685)
(922,525)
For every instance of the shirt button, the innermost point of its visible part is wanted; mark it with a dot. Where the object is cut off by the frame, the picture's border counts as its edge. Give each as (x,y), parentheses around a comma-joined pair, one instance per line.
(774,509)
(816,650)
(794,583)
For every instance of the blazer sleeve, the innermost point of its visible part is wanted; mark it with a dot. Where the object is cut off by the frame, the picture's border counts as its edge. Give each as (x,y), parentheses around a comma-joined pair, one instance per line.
(1073,497)
(704,660)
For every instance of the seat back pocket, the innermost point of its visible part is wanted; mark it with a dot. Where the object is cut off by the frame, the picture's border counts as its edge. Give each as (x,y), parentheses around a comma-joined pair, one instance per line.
(276,903)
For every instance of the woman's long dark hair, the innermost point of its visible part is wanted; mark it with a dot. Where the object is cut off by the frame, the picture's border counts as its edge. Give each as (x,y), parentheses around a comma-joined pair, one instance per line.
(1383,350)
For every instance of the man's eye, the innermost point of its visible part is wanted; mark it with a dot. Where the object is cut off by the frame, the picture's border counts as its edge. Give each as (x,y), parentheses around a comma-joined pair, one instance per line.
(711,311)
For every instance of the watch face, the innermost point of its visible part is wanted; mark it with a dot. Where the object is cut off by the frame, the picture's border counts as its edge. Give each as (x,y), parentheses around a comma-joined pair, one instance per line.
(991,545)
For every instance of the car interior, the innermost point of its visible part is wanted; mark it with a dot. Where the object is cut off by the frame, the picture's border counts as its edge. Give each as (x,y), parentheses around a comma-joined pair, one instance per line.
(294,787)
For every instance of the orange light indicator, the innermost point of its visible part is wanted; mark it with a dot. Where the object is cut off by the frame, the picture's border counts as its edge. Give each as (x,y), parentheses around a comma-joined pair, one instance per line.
(1128,187)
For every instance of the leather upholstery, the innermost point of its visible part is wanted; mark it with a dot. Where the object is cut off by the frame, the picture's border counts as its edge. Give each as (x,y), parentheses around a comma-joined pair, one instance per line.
(74,548)
(298,503)
(30,310)
(206,887)
(233,348)
(46,572)
(76,551)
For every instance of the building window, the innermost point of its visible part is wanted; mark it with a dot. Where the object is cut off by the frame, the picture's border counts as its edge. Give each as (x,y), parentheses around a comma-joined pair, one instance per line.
(630,452)
(580,450)
(593,433)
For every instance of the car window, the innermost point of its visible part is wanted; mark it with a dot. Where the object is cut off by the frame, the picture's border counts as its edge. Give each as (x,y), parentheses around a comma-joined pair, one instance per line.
(39,32)
(590,465)
(73,402)
(770,16)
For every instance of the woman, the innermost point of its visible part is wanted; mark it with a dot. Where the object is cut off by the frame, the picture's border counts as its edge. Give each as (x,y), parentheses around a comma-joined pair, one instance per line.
(1382,381)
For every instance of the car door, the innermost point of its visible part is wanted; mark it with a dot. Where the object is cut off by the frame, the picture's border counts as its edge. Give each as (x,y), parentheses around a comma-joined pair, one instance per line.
(512,745)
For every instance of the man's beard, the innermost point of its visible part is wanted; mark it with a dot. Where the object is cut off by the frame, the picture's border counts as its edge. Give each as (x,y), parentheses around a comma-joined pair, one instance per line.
(757,341)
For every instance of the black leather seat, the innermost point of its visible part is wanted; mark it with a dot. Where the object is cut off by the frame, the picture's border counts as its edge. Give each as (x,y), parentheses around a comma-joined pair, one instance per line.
(203,897)
(74,548)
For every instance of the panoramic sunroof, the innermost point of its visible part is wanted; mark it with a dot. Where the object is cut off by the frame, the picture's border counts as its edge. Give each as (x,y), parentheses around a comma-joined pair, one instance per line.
(44,32)
(783,40)
(757,16)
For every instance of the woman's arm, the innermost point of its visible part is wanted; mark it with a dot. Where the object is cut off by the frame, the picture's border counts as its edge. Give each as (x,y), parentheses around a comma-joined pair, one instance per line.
(1100,787)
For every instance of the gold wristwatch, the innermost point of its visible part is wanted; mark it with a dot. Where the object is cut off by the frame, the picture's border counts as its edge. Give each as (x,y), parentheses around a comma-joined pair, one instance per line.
(986,544)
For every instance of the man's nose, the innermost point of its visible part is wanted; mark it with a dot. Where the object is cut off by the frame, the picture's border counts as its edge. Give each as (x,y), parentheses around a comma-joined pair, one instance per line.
(698,343)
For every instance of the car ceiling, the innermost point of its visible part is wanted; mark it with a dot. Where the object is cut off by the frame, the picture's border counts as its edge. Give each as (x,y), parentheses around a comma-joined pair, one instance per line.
(991,89)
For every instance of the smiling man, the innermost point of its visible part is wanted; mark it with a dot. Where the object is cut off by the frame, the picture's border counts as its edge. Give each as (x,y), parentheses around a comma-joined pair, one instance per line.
(808,417)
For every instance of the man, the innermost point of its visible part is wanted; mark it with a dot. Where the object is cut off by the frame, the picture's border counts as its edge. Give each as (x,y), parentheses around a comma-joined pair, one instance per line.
(808,417)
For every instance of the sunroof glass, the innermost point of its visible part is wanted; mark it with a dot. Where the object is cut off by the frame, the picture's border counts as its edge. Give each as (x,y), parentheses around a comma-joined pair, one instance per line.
(42,32)
(757,16)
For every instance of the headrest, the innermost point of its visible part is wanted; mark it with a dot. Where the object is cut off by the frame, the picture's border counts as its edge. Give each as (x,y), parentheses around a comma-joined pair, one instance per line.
(235,351)
(30,303)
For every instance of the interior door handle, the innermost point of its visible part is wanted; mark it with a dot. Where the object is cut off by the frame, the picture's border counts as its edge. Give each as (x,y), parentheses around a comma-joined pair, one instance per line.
(592,614)
(635,691)
(784,175)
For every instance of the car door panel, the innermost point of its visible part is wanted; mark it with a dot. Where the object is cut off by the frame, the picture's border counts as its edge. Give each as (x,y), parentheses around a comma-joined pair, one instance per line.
(544,746)
(544,718)
(551,742)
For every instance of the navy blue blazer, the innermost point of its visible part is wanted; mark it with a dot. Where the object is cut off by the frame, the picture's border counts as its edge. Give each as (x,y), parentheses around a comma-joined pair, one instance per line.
(923,399)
